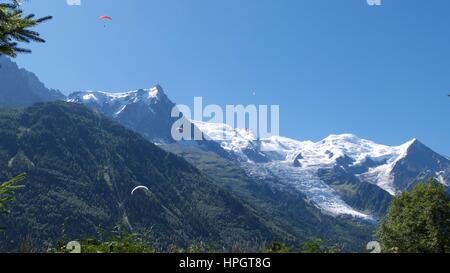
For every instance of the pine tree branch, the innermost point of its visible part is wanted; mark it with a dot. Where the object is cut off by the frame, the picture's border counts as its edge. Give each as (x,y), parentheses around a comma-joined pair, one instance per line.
(15,28)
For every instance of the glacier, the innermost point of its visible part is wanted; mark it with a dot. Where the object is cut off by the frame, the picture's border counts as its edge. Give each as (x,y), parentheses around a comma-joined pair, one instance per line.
(285,155)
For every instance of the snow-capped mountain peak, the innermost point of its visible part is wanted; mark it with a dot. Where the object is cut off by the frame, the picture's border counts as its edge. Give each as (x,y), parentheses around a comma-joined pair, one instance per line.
(147,111)
(324,152)
(119,99)
(298,163)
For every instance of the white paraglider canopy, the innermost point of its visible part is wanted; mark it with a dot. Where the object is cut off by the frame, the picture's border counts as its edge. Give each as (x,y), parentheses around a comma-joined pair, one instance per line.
(138,188)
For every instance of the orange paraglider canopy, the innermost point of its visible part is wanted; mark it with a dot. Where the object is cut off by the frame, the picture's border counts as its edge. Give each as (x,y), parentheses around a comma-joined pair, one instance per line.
(104,17)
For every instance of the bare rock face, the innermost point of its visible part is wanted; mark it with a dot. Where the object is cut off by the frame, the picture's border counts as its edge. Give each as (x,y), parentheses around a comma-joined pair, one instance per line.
(18,87)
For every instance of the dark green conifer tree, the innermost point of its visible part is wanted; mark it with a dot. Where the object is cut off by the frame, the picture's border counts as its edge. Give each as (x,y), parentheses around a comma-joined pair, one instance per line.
(15,28)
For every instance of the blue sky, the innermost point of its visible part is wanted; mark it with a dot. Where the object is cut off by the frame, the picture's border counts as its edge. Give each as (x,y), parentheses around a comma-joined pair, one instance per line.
(333,66)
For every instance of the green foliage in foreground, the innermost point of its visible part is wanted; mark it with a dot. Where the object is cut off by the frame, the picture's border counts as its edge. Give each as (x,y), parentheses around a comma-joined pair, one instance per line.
(7,190)
(318,246)
(15,29)
(132,242)
(123,243)
(314,246)
(122,240)
(278,247)
(418,221)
